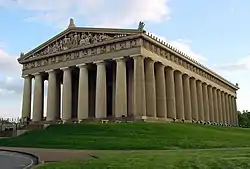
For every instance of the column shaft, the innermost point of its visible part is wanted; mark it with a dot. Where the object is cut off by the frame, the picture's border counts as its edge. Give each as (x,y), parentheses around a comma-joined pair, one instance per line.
(67,95)
(223,107)
(170,91)
(205,102)
(187,98)
(230,110)
(160,91)
(52,95)
(194,101)
(235,111)
(121,88)
(227,108)
(139,87)
(83,95)
(38,98)
(150,88)
(216,115)
(200,101)
(101,91)
(220,106)
(26,106)
(179,96)
(211,103)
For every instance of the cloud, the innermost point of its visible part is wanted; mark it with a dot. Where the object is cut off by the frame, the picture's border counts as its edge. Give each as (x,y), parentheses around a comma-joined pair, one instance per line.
(110,13)
(185,46)
(8,63)
(242,64)
(237,72)
(9,74)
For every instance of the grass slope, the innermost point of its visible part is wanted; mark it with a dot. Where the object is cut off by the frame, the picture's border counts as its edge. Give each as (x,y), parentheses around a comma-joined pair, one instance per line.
(132,136)
(161,160)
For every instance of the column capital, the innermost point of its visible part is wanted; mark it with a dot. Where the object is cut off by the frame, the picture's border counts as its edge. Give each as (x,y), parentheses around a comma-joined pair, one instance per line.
(204,83)
(65,68)
(137,56)
(150,60)
(186,75)
(210,86)
(26,76)
(158,63)
(122,58)
(36,74)
(169,68)
(99,62)
(50,71)
(83,65)
(178,72)
(192,78)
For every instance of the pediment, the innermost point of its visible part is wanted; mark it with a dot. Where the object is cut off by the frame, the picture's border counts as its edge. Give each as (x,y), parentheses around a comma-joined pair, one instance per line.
(75,38)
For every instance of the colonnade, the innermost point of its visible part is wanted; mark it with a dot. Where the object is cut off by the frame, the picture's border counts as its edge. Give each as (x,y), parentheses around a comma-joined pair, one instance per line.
(147,88)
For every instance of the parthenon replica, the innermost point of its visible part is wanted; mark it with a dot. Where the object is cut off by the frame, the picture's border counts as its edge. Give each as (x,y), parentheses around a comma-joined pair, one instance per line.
(114,74)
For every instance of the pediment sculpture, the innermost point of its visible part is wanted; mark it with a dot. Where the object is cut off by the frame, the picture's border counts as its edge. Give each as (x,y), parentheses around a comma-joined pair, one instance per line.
(74,40)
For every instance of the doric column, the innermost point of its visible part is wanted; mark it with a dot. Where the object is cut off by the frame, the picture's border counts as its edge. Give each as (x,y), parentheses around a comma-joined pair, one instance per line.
(67,94)
(235,111)
(139,87)
(38,98)
(101,91)
(194,102)
(179,96)
(205,102)
(230,110)
(219,106)
(227,108)
(26,107)
(216,115)
(83,93)
(150,88)
(200,101)
(52,97)
(170,90)
(160,91)
(121,88)
(187,97)
(223,107)
(211,103)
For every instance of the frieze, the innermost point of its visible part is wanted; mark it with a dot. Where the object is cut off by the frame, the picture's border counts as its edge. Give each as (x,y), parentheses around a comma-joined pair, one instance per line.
(76,39)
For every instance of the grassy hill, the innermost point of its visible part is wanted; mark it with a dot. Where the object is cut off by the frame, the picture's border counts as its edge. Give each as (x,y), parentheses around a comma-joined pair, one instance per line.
(145,136)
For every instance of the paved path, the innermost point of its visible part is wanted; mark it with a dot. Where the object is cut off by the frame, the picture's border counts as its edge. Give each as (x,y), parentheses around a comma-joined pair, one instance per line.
(51,155)
(14,160)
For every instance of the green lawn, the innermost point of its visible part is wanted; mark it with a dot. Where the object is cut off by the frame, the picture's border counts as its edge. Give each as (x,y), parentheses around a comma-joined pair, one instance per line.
(130,136)
(161,160)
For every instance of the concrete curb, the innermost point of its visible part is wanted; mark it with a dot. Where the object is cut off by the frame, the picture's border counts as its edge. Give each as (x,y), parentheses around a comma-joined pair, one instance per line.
(35,158)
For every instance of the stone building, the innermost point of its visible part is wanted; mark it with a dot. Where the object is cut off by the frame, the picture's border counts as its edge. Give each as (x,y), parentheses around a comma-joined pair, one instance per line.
(121,73)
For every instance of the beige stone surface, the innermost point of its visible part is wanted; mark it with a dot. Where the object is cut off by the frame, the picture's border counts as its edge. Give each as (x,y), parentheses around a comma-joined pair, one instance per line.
(150,88)
(161,102)
(38,98)
(27,93)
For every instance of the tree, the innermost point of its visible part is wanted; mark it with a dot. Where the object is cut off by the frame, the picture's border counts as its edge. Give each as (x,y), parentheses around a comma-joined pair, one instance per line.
(244,118)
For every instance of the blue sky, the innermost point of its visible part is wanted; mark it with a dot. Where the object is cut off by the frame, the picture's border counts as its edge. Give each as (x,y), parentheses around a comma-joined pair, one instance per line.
(216,33)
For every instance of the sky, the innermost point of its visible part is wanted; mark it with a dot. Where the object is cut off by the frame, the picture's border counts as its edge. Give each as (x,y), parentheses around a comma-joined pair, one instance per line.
(215,33)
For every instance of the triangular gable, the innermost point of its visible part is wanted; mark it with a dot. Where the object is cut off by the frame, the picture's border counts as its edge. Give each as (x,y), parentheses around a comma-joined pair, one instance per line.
(76,37)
